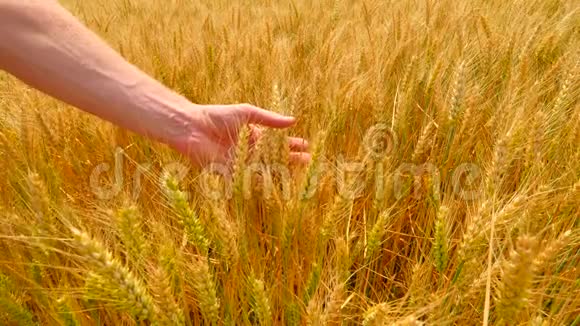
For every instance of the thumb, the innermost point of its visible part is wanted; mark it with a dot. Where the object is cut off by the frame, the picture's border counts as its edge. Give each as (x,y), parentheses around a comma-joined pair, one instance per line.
(266,118)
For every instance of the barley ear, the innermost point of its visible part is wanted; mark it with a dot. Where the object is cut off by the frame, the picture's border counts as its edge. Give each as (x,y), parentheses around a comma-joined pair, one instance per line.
(205,290)
(129,290)
(440,245)
(458,92)
(518,273)
(188,218)
(292,314)
(312,178)
(552,250)
(171,313)
(129,223)
(375,315)
(259,301)
(376,234)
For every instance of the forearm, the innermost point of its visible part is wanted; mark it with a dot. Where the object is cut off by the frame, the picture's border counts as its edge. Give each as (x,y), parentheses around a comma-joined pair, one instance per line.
(46,47)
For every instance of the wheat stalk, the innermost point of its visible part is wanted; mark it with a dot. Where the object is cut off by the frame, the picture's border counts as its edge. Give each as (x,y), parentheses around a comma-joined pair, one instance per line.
(129,289)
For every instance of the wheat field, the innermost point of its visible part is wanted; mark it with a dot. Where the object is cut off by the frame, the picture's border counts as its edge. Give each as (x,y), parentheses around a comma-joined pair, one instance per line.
(444,187)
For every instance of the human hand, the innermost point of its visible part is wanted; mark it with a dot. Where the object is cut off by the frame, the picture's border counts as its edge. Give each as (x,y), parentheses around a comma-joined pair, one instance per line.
(213,132)
(75,66)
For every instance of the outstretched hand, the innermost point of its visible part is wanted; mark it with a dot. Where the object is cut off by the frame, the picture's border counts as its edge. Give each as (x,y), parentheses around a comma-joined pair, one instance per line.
(214,132)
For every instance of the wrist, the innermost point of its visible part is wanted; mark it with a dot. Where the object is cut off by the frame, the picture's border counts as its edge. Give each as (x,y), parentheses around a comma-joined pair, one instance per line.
(167,117)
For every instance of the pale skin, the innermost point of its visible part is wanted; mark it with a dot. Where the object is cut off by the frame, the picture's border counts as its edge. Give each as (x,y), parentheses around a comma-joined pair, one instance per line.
(46,47)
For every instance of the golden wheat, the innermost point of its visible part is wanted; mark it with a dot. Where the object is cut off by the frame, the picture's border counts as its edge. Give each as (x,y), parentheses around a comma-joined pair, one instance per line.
(432,123)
